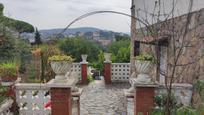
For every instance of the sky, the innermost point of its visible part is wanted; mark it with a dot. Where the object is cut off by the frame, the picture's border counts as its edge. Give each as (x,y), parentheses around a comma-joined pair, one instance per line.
(147,7)
(48,14)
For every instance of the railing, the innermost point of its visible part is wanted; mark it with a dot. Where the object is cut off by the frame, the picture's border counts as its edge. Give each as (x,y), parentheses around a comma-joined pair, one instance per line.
(120,72)
(76,68)
(32,98)
(5,107)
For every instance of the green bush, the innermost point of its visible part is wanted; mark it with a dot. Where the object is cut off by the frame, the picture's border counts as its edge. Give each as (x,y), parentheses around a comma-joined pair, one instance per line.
(199,87)
(3,95)
(145,57)
(186,111)
(8,69)
(60,58)
(90,78)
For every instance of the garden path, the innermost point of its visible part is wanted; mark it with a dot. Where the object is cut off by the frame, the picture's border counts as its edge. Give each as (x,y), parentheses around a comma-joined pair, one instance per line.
(100,99)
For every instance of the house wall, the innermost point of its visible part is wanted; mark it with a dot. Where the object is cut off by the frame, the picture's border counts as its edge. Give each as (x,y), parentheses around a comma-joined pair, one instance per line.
(190,64)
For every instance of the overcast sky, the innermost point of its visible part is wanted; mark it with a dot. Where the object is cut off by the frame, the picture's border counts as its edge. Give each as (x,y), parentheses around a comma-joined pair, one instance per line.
(47,14)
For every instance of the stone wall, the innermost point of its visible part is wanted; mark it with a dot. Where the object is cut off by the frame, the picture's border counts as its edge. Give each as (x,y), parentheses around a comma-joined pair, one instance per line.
(182,92)
(187,44)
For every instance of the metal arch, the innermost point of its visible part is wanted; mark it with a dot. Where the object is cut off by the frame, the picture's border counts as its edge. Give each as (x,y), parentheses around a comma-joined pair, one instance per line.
(99,12)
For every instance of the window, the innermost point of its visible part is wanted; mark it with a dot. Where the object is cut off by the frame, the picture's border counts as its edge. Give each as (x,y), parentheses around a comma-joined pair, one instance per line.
(136,48)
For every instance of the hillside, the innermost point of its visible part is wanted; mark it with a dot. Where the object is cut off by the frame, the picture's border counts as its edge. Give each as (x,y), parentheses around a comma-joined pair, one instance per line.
(85,32)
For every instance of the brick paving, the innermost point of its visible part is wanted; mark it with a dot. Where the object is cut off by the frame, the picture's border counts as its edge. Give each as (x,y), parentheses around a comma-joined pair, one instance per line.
(100,99)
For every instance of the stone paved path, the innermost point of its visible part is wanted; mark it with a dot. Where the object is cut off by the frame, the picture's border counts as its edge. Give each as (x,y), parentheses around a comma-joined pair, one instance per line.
(100,99)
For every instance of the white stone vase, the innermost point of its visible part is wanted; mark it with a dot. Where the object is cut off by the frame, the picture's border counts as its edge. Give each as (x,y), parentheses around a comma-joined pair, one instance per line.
(84,58)
(107,57)
(143,68)
(61,68)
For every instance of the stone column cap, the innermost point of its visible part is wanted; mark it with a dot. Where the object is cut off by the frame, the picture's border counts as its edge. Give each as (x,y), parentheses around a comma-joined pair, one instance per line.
(84,62)
(107,62)
(147,85)
(53,84)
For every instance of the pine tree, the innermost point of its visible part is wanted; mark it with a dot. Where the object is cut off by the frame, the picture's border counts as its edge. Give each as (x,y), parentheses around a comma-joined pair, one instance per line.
(37,37)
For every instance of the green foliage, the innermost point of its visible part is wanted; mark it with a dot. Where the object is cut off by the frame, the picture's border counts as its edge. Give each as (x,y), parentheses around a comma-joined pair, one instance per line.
(46,52)
(7,47)
(200,109)
(122,38)
(60,58)
(3,94)
(99,64)
(32,73)
(160,100)
(120,51)
(8,69)
(186,111)
(37,37)
(199,86)
(140,113)
(145,57)
(3,90)
(90,78)
(78,46)
(19,26)
(158,111)
(23,53)
(1,9)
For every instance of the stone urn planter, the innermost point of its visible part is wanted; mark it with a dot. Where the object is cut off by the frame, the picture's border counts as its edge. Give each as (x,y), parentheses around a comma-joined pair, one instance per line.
(143,68)
(107,57)
(84,58)
(61,65)
(143,65)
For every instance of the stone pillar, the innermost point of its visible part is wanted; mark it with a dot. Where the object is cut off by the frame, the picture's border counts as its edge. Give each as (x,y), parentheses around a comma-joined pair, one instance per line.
(144,99)
(61,98)
(84,72)
(107,72)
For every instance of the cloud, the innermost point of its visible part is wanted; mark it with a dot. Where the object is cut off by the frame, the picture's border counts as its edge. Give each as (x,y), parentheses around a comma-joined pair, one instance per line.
(58,13)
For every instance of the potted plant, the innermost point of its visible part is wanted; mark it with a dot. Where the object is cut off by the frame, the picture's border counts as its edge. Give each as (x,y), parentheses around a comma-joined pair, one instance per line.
(60,64)
(8,72)
(143,64)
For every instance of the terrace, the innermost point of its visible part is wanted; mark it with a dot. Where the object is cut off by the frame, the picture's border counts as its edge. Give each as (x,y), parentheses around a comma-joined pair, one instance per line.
(109,95)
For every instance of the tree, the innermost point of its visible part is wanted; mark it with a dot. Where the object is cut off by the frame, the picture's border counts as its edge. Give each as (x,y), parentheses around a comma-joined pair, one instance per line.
(7,47)
(78,46)
(37,37)
(120,50)
(17,25)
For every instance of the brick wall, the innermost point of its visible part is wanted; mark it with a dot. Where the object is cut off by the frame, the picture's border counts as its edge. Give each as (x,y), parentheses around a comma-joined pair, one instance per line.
(144,100)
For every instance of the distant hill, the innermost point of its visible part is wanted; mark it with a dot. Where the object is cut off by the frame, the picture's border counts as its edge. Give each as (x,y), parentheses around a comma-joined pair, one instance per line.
(71,30)
(85,32)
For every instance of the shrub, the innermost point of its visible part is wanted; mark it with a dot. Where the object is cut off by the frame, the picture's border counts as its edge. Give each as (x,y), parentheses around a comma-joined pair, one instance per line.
(90,78)
(8,69)
(145,57)
(3,91)
(60,58)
